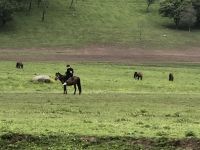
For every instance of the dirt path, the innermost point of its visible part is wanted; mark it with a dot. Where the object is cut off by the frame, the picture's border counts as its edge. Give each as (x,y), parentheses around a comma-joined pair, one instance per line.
(101,53)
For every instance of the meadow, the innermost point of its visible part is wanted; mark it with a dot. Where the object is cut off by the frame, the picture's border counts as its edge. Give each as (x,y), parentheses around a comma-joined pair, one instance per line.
(96,22)
(114,111)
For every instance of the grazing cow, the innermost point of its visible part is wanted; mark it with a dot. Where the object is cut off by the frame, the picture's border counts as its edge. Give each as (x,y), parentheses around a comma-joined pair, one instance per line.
(171,77)
(19,65)
(138,75)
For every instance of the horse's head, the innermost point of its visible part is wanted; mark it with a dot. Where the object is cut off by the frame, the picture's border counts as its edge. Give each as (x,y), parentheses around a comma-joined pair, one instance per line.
(135,74)
(57,76)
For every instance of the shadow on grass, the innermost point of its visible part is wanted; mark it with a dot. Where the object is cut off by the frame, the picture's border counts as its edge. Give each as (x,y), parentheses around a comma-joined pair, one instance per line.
(181,27)
(72,141)
(7,28)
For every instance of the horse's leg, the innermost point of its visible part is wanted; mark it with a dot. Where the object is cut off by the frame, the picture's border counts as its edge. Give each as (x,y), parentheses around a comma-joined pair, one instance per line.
(65,89)
(74,89)
(79,86)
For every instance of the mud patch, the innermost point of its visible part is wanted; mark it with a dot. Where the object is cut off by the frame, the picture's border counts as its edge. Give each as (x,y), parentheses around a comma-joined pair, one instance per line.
(11,138)
(72,141)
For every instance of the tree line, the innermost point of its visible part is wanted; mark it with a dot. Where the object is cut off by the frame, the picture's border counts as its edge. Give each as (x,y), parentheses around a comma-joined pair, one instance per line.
(9,7)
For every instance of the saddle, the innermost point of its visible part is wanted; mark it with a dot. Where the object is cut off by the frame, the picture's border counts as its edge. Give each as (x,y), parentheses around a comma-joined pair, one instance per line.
(70,78)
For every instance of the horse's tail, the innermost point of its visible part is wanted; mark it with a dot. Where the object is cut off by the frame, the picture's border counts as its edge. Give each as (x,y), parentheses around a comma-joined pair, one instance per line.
(79,85)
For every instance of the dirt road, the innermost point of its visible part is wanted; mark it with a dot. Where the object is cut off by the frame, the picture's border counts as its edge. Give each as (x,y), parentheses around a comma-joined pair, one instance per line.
(102,53)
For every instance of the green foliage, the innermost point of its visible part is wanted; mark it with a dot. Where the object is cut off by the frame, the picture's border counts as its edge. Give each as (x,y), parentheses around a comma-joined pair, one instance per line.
(6,10)
(149,2)
(196,4)
(190,134)
(171,9)
(181,11)
(188,16)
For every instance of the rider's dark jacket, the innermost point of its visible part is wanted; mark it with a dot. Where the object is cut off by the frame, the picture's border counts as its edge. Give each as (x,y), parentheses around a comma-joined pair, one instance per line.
(69,73)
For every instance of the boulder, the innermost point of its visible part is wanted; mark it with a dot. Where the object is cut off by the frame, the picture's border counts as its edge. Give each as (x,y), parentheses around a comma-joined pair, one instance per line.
(42,78)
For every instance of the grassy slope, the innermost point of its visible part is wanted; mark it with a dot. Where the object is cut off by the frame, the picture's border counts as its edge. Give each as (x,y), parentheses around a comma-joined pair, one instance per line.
(95,22)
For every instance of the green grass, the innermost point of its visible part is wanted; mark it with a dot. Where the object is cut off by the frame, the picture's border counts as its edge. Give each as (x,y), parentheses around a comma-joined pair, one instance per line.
(114,109)
(137,115)
(97,121)
(95,22)
(102,78)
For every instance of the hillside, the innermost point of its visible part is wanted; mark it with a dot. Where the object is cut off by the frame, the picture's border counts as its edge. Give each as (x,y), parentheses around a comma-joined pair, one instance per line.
(99,22)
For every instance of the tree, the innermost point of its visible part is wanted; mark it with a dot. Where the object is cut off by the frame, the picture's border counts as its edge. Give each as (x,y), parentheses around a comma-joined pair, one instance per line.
(6,11)
(8,7)
(184,12)
(196,5)
(149,2)
(45,4)
(72,4)
(171,9)
(140,29)
(38,3)
(30,5)
(188,16)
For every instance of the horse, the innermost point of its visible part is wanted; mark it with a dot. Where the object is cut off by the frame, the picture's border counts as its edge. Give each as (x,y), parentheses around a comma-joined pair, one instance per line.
(19,65)
(138,76)
(171,77)
(69,82)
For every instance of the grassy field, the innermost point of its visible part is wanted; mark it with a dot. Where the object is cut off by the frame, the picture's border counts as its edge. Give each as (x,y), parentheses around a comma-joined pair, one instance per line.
(41,119)
(102,22)
(114,112)
(102,78)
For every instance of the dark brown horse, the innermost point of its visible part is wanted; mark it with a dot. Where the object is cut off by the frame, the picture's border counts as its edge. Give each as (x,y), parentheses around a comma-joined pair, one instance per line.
(171,77)
(138,75)
(71,81)
(19,65)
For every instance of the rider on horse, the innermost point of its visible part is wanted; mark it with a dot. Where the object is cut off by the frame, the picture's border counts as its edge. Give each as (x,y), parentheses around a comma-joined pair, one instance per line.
(70,71)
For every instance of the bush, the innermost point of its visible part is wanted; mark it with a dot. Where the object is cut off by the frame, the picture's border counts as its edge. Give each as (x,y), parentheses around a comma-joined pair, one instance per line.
(190,134)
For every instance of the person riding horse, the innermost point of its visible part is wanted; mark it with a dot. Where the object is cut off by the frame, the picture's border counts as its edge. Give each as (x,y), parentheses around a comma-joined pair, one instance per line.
(70,72)
(76,82)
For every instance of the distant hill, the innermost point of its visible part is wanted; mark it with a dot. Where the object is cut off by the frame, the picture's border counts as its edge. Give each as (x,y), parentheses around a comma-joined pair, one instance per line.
(103,22)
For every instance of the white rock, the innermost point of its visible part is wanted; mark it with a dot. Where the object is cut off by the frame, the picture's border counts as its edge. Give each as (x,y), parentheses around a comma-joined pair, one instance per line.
(42,78)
